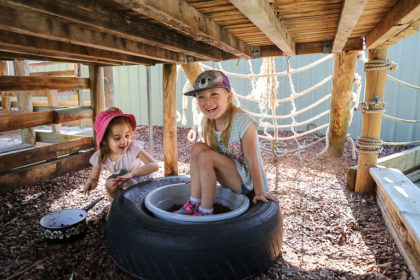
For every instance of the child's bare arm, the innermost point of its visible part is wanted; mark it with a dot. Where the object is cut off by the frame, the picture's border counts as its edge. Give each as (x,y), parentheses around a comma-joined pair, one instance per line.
(250,152)
(150,166)
(92,182)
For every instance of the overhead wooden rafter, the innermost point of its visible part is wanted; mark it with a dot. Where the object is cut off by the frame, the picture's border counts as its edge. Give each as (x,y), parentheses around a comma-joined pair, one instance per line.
(179,15)
(97,15)
(399,18)
(264,17)
(29,22)
(350,14)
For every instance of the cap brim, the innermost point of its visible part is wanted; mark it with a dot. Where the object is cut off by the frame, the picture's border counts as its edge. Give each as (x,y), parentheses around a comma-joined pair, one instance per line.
(194,91)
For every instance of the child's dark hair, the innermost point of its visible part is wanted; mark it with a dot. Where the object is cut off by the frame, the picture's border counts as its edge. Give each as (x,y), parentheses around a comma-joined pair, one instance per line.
(103,147)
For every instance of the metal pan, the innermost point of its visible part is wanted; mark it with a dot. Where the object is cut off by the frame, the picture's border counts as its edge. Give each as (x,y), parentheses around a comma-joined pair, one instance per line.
(66,224)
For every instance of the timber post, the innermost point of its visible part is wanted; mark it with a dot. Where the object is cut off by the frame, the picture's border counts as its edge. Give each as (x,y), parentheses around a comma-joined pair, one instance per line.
(24,101)
(192,70)
(109,87)
(6,102)
(170,153)
(369,143)
(342,89)
(97,98)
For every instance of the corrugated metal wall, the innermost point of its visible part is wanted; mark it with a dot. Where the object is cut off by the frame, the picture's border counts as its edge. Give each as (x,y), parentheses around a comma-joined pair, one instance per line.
(403,102)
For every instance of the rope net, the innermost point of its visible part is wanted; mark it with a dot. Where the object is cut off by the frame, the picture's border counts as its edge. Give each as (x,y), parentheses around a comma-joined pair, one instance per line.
(264,93)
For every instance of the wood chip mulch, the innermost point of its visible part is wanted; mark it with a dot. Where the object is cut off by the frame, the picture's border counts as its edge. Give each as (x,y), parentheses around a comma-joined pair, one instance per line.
(329,232)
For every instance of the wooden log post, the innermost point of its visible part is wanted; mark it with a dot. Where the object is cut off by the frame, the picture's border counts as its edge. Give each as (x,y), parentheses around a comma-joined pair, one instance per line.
(109,87)
(170,153)
(24,101)
(371,123)
(53,101)
(6,103)
(97,95)
(192,70)
(342,88)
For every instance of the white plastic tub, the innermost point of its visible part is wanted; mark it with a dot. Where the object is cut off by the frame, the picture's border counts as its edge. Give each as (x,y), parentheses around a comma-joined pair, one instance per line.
(163,198)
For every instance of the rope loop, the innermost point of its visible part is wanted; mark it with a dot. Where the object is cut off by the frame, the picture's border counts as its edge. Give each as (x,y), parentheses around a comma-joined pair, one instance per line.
(369,145)
(374,106)
(380,64)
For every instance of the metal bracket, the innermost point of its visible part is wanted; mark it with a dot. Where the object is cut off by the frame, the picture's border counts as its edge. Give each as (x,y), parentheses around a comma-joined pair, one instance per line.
(256,52)
(188,58)
(326,47)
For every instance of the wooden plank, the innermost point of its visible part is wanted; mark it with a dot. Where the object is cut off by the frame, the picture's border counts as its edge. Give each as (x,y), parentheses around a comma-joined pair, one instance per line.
(263,16)
(97,94)
(310,48)
(25,120)
(179,15)
(341,97)
(350,14)
(49,137)
(17,83)
(29,22)
(61,73)
(12,160)
(52,96)
(371,123)
(72,114)
(61,103)
(35,174)
(405,161)
(170,154)
(38,47)
(404,13)
(399,198)
(97,15)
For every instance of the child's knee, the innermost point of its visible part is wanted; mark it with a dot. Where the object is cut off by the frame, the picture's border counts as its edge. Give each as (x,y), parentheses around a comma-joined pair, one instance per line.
(205,158)
(198,148)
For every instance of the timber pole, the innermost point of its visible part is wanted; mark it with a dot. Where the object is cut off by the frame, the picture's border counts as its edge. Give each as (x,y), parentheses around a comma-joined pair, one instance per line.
(97,95)
(24,101)
(6,100)
(109,87)
(170,151)
(371,122)
(342,89)
(192,70)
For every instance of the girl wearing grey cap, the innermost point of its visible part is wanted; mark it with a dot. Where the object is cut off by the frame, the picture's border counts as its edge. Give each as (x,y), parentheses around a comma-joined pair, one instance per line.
(230,154)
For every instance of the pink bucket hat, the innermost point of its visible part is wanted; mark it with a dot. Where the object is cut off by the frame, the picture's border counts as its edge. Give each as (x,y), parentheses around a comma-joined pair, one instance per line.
(103,119)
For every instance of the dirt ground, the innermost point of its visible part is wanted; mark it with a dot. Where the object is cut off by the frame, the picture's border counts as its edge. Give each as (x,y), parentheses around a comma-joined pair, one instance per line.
(329,232)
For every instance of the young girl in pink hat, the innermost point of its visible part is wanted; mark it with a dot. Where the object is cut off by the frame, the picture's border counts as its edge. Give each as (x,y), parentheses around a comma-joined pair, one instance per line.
(125,158)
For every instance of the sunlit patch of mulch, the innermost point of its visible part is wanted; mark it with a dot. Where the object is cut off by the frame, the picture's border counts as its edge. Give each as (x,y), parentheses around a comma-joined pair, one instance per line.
(329,232)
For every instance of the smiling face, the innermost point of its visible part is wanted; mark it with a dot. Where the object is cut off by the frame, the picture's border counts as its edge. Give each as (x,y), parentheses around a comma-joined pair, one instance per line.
(214,102)
(118,139)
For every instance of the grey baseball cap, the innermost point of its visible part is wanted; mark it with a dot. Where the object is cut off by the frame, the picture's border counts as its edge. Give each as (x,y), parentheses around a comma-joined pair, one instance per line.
(209,79)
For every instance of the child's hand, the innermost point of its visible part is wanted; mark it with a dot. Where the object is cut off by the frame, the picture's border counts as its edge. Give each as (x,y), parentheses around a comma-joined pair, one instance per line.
(264,196)
(124,178)
(90,185)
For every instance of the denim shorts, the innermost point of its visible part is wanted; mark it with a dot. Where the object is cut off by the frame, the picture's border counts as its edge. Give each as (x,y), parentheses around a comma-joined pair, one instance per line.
(244,190)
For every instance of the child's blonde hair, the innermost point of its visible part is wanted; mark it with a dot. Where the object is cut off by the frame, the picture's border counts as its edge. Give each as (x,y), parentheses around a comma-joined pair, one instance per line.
(104,148)
(210,126)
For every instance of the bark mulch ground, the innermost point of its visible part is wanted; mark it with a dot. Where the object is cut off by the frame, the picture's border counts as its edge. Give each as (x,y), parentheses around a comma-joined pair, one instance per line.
(329,232)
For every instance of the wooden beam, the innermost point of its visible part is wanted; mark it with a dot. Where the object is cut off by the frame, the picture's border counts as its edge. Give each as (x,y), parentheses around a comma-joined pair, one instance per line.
(341,96)
(263,16)
(15,159)
(179,15)
(170,154)
(41,172)
(106,19)
(34,46)
(371,123)
(72,114)
(15,83)
(401,16)
(29,22)
(10,53)
(6,104)
(97,94)
(398,199)
(350,14)
(25,120)
(311,48)
(61,73)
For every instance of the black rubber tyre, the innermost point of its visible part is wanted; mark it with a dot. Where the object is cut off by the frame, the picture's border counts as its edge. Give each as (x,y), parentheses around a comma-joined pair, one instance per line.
(145,247)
